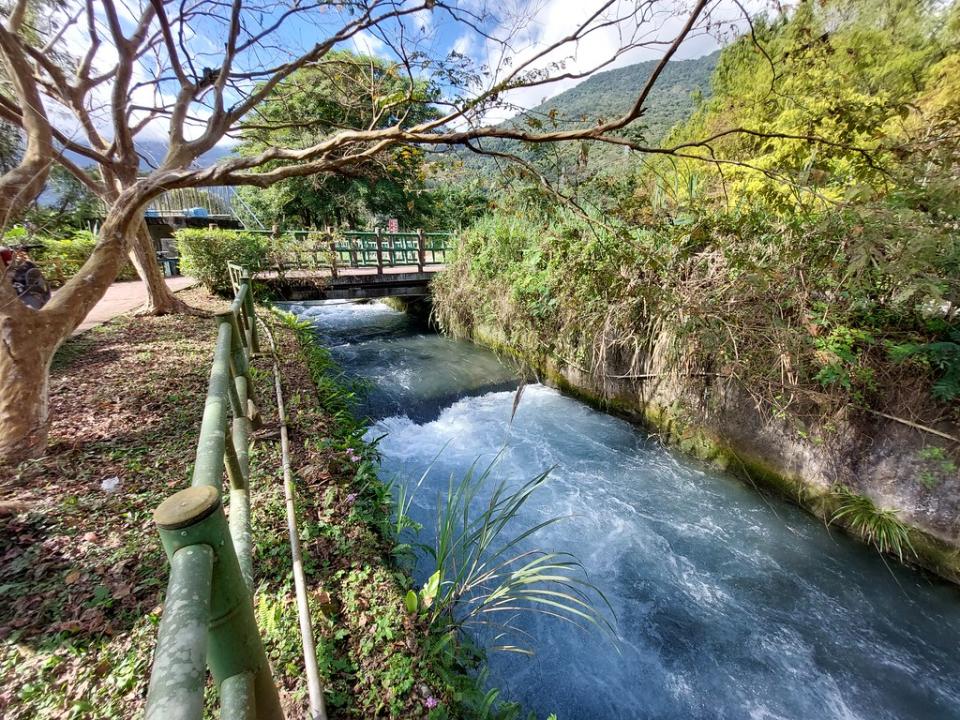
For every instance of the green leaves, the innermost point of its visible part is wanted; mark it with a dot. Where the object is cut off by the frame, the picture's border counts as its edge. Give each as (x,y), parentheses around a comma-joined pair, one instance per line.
(342,91)
(429,592)
(942,356)
(204,254)
(487,571)
(881,528)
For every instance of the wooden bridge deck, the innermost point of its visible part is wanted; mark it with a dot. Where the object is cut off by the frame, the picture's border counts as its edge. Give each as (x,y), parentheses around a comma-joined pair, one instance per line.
(348,283)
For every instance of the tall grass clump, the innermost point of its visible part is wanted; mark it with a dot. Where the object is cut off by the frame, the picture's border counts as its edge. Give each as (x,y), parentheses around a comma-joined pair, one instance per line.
(487,576)
(881,528)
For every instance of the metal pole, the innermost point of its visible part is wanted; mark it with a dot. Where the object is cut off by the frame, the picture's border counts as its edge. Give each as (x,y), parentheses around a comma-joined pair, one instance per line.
(318,710)
(421,250)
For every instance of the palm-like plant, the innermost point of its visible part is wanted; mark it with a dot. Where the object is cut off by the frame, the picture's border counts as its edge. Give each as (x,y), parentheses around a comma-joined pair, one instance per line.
(487,576)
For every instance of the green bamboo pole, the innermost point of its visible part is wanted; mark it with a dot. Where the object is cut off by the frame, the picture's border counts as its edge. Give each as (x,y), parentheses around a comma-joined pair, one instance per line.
(251,316)
(195,516)
(241,369)
(237,698)
(237,454)
(208,469)
(240,501)
(241,362)
(234,472)
(235,406)
(179,670)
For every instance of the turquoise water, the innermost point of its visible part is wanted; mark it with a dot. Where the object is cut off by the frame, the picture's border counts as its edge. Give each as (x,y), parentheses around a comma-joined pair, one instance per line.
(728,604)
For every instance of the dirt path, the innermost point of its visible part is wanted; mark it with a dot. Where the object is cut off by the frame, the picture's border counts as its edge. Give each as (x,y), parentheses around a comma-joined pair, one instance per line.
(122,297)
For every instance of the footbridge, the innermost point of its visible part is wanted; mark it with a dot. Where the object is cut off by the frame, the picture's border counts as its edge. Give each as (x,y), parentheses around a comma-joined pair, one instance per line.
(353,264)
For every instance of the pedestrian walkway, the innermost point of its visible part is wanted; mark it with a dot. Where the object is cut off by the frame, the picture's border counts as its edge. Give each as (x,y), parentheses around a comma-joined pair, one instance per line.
(122,297)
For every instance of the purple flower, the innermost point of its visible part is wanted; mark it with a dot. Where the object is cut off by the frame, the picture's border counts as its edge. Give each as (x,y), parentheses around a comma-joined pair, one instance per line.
(352,498)
(431,702)
(356,458)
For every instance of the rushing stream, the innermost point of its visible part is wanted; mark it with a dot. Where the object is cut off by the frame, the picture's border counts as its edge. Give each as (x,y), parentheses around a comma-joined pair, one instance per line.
(729,604)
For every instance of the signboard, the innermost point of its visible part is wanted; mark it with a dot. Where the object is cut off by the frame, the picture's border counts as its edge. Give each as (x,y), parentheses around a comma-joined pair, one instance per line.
(393,225)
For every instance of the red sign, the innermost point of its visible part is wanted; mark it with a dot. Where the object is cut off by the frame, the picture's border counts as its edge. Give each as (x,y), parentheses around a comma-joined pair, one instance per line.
(393,225)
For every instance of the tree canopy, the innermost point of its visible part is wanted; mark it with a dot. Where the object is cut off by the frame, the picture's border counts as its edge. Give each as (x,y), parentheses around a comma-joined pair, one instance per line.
(343,91)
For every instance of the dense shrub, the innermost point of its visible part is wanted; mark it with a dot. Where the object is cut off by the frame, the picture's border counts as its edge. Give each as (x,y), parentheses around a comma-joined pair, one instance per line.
(204,254)
(61,257)
(841,304)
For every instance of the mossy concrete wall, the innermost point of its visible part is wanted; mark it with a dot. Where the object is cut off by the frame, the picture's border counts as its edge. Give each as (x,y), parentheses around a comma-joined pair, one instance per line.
(717,420)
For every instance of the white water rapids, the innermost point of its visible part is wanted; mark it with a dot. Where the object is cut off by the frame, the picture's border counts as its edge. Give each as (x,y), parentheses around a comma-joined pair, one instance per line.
(729,603)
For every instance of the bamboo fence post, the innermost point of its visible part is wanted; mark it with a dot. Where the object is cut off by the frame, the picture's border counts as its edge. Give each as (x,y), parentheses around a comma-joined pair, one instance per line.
(254,338)
(179,673)
(195,517)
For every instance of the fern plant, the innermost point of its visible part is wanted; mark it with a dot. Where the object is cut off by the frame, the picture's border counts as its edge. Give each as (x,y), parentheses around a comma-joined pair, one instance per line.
(943,356)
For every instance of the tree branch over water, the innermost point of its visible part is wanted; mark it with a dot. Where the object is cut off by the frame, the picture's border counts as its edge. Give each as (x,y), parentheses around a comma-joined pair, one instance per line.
(98,79)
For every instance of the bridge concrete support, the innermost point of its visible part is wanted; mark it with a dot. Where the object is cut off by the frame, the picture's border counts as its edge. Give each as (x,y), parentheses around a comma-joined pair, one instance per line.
(420,308)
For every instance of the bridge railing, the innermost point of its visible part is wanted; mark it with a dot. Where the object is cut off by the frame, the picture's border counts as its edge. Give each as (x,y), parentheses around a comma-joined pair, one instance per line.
(208,618)
(356,249)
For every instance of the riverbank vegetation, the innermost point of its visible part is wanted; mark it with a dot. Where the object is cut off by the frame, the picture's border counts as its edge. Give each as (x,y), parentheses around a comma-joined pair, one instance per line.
(823,276)
(83,573)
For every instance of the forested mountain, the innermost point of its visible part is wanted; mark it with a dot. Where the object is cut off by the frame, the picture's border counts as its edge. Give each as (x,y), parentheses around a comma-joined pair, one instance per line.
(604,96)
(611,93)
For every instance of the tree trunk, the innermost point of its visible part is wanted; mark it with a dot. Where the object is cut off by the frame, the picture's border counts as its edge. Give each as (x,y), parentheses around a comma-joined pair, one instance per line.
(25,355)
(29,338)
(160,301)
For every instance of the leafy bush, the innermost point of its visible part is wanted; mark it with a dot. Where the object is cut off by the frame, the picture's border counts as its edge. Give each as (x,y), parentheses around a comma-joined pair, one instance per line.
(943,356)
(61,258)
(204,254)
(804,303)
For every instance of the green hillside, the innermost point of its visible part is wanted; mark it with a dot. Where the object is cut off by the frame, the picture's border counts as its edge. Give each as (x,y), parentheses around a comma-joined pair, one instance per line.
(602,97)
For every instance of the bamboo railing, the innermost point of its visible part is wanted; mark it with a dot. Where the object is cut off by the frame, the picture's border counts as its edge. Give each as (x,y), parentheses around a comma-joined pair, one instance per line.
(208,619)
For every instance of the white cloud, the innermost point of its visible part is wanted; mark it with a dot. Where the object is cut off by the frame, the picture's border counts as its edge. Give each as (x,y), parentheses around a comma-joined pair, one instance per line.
(464,44)
(369,44)
(526,29)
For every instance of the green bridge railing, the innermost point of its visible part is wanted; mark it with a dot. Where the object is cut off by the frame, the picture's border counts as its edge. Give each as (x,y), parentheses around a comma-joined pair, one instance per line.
(343,250)
(208,618)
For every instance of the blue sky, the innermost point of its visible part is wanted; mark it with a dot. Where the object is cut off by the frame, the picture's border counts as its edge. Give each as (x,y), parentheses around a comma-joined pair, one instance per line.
(505,33)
